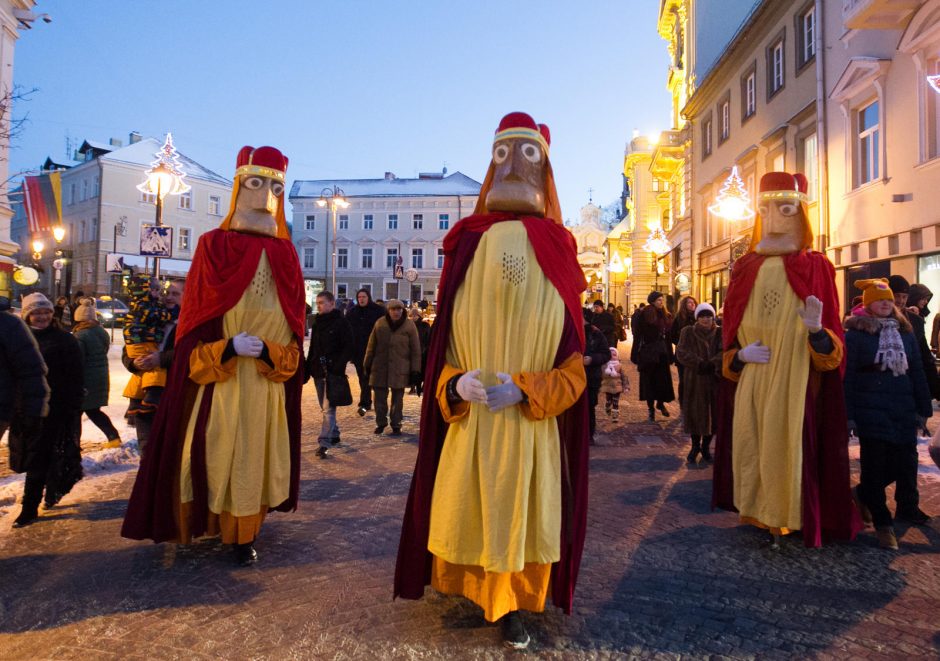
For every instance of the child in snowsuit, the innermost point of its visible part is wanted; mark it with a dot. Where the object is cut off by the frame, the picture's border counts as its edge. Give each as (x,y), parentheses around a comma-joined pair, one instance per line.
(143,334)
(613,382)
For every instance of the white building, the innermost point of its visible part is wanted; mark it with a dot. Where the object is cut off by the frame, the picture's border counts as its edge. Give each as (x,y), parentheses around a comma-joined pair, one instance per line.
(387,219)
(100,197)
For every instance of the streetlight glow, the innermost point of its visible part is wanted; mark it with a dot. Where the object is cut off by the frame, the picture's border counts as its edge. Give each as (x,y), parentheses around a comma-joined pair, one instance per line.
(38,245)
(733,202)
(58,232)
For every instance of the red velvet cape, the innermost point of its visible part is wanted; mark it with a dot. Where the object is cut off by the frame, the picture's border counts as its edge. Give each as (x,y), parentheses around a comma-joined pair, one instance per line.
(556,254)
(223,267)
(828,510)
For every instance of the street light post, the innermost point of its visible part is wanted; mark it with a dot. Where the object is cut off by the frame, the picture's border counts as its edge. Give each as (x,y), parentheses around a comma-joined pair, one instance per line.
(335,197)
(165,177)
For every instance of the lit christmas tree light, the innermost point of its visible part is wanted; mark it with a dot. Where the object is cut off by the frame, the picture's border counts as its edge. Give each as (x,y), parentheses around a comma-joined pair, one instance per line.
(733,202)
(934,82)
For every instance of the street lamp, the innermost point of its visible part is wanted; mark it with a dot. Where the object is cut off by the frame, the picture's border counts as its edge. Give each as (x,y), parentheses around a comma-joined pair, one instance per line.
(657,244)
(733,202)
(336,198)
(62,257)
(165,177)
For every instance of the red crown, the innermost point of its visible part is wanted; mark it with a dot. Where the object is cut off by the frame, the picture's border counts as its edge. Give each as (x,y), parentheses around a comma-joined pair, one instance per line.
(262,161)
(783,181)
(521,120)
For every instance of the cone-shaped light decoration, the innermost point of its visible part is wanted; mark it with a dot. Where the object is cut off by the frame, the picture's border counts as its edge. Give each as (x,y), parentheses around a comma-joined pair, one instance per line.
(615,266)
(165,176)
(658,242)
(934,82)
(733,202)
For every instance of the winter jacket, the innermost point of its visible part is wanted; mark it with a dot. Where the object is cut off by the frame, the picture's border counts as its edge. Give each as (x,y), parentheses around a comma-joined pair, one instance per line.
(424,337)
(145,320)
(362,319)
(918,324)
(604,322)
(653,350)
(699,352)
(598,349)
(882,406)
(392,355)
(331,345)
(94,343)
(23,384)
(614,378)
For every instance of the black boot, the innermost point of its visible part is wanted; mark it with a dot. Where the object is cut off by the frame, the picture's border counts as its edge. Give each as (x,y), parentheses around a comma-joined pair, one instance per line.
(706,453)
(245,554)
(694,452)
(514,634)
(27,516)
(652,414)
(662,409)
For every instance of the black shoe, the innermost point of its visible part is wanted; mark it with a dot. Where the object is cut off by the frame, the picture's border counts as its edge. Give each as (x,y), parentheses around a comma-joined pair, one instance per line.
(692,456)
(396,431)
(706,454)
(321,452)
(662,409)
(245,554)
(916,516)
(379,430)
(26,517)
(652,416)
(361,411)
(514,634)
(334,441)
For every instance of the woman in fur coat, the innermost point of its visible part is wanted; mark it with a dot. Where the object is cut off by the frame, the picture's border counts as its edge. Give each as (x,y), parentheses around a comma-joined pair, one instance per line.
(699,352)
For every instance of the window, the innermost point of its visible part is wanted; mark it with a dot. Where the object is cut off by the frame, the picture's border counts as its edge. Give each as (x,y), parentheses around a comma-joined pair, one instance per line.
(186,201)
(343,222)
(310,222)
(440,258)
(749,93)
(775,68)
(725,120)
(96,186)
(81,231)
(932,118)
(93,229)
(183,238)
(309,258)
(367,286)
(443,221)
(367,258)
(72,193)
(391,256)
(146,198)
(417,221)
(809,165)
(84,190)
(805,36)
(367,221)
(707,136)
(342,258)
(393,221)
(417,258)
(215,205)
(867,144)
(342,290)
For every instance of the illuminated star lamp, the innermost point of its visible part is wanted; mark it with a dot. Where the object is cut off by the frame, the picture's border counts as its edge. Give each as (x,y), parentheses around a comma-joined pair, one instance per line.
(732,202)
(165,176)
(658,242)
(934,82)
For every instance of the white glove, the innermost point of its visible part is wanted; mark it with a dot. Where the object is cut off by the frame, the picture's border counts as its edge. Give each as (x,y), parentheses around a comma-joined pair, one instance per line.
(811,314)
(470,388)
(247,345)
(504,395)
(754,353)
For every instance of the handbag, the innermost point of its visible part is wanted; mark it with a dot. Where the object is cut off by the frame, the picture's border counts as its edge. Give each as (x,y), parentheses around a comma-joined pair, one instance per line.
(337,390)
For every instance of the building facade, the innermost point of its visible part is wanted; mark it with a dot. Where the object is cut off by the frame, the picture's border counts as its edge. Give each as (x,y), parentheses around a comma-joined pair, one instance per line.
(387,220)
(103,212)
(590,236)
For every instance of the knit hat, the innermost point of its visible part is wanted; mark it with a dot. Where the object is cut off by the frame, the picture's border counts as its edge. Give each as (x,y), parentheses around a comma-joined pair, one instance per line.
(85,310)
(653,296)
(704,308)
(394,303)
(899,284)
(33,302)
(597,302)
(874,289)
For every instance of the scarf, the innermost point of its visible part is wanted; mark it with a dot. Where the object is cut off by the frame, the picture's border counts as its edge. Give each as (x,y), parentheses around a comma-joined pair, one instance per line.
(890,354)
(395,325)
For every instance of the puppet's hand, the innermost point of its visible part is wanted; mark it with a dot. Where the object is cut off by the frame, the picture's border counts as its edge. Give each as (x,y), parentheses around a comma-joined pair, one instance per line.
(811,314)
(470,388)
(247,345)
(504,395)
(754,353)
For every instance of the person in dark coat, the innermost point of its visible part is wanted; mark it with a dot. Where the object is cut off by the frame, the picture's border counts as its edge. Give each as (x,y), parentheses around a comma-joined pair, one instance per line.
(331,347)
(393,360)
(685,316)
(24,393)
(62,313)
(604,322)
(424,337)
(699,352)
(596,355)
(635,320)
(652,354)
(918,297)
(616,314)
(886,400)
(54,464)
(94,342)
(362,319)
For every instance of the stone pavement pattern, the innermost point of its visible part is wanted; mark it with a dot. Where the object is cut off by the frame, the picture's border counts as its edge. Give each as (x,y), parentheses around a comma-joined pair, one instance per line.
(662,575)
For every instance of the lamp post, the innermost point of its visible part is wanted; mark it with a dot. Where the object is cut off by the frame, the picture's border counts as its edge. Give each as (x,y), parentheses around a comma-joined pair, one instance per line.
(335,197)
(657,244)
(62,256)
(165,177)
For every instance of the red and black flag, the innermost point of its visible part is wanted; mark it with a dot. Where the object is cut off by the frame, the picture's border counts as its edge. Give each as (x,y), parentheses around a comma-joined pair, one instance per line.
(42,196)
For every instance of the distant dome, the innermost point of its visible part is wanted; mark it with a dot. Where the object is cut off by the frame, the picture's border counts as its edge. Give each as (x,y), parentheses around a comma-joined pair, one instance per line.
(591,214)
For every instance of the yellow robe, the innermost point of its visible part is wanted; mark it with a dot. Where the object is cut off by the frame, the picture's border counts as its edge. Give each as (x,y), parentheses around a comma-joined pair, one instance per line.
(496,507)
(247,443)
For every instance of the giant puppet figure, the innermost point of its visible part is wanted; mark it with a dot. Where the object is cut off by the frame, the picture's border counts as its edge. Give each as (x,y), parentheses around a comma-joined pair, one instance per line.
(225,445)
(782,445)
(497,505)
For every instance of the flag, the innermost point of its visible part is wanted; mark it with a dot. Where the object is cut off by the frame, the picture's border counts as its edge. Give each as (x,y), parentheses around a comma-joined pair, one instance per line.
(42,196)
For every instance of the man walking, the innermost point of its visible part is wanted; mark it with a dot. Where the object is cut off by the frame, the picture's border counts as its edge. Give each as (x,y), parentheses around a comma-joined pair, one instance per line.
(330,349)
(362,319)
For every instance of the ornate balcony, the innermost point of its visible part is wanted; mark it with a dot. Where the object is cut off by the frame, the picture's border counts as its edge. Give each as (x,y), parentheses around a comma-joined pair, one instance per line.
(877,14)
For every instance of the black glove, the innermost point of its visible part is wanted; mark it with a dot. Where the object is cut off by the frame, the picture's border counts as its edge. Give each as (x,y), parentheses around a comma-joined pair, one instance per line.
(415,379)
(706,368)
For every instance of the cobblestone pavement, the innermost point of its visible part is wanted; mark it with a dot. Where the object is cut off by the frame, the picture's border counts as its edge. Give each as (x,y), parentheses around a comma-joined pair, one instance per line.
(662,576)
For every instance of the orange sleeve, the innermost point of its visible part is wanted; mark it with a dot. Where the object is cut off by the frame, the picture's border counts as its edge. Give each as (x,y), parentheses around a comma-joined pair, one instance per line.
(450,412)
(726,370)
(205,364)
(285,357)
(553,392)
(826,362)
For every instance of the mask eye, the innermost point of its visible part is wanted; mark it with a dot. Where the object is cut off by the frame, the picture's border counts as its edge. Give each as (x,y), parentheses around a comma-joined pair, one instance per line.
(253,183)
(277,188)
(763,210)
(500,153)
(788,209)
(531,152)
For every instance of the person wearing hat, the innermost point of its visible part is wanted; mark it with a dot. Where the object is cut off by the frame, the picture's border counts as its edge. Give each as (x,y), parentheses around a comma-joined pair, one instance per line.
(95,343)
(652,354)
(887,401)
(225,443)
(781,455)
(53,465)
(699,351)
(497,513)
(392,361)
(603,321)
